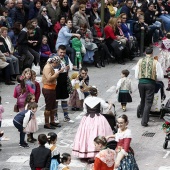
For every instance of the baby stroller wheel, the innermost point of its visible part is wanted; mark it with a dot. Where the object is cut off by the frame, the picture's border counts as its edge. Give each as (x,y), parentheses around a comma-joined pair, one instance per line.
(138,112)
(165,144)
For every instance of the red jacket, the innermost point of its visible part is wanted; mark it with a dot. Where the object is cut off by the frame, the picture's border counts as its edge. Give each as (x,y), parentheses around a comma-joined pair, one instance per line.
(109,32)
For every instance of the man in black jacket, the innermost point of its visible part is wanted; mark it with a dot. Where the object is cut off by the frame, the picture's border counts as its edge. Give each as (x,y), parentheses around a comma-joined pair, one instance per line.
(40,157)
(153,25)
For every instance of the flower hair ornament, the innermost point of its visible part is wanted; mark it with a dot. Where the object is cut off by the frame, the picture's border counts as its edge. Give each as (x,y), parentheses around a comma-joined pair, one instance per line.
(54,59)
(21,77)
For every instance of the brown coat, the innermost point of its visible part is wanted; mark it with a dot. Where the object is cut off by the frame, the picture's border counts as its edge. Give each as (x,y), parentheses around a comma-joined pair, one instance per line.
(49,76)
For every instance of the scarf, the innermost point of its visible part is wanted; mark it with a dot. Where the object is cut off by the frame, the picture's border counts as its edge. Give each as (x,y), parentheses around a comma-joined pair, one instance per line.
(98,31)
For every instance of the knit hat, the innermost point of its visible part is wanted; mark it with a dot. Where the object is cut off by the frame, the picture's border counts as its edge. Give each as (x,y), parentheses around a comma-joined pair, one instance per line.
(54,59)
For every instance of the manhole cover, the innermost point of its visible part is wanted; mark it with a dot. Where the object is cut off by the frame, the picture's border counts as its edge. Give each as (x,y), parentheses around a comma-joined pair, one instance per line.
(148,134)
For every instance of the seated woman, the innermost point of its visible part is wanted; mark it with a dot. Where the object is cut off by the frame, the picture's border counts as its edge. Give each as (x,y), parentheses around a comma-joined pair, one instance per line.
(87,41)
(99,39)
(45,52)
(92,124)
(93,14)
(112,41)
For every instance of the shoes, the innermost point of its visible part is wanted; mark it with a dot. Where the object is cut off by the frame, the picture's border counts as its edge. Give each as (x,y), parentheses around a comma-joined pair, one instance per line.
(55,124)
(73,109)
(90,161)
(75,69)
(164,38)
(156,44)
(49,127)
(97,65)
(0,144)
(124,108)
(34,139)
(13,79)
(102,64)
(30,140)
(67,119)
(145,124)
(25,145)
(112,57)
(9,83)
(121,62)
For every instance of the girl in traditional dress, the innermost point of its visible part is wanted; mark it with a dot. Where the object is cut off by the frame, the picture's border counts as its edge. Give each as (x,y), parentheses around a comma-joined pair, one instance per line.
(124,88)
(32,126)
(91,125)
(105,159)
(125,155)
(77,97)
(52,140)
(65,161)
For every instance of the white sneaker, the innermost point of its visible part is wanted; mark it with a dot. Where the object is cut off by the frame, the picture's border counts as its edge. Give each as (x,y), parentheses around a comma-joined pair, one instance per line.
(71,121)
(56,120)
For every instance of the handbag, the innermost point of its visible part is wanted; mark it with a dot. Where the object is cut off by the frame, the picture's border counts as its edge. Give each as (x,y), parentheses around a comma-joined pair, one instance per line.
(117,45)
(16,109)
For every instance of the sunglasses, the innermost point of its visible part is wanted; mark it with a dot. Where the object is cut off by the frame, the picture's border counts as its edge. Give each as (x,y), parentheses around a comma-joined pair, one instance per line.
(81,29)
(44,10)
(123,18)
(97,23)
(82,10)
(118,22)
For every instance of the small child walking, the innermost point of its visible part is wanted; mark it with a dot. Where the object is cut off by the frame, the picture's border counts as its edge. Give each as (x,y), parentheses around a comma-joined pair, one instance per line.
(32,126)
(37,86)
(21,121)
(21,91)
(77,97)
(65,161)
(124,88)
(40,157)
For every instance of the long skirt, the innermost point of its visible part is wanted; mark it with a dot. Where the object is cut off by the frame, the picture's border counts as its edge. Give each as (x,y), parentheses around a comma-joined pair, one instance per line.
(74,100)
(88,130)
(128,163)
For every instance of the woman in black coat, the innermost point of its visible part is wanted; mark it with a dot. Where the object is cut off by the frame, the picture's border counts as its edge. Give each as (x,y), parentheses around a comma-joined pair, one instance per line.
(65,9)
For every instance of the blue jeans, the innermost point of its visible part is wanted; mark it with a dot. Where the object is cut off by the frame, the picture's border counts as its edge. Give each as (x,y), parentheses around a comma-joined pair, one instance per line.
(166,20)
(155,32)
(20,129)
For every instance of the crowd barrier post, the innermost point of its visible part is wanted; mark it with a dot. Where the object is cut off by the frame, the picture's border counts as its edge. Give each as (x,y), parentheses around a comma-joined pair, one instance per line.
(142,43)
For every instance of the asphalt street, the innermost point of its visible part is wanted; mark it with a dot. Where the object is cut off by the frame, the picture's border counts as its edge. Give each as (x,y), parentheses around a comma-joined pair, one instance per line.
(149,151)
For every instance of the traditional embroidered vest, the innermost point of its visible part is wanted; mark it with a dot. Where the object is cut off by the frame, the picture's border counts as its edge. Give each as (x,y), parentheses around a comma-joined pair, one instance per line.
(147,68)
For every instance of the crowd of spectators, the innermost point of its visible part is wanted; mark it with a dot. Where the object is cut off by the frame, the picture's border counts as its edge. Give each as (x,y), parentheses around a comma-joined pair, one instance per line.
(32,30)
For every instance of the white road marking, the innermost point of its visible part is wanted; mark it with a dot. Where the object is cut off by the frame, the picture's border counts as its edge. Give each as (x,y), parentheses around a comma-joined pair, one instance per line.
(18,159)
(164,168)
(111,89)
(167,153)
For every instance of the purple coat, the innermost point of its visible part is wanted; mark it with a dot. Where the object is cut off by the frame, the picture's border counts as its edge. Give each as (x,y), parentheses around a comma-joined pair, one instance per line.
(44,48)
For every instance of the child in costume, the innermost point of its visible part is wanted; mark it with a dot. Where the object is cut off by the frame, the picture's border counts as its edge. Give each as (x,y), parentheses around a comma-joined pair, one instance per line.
(51,144)
(77,97)
(76,45)
(32,126)
(164,56)
(124,88)
(105,159)
(65,161)
(21,121)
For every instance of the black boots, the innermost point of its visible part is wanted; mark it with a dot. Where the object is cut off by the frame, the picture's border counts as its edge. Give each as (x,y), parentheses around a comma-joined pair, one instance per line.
(97,65)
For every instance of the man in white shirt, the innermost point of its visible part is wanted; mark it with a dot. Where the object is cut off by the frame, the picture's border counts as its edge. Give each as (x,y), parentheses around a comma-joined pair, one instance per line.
(148,71)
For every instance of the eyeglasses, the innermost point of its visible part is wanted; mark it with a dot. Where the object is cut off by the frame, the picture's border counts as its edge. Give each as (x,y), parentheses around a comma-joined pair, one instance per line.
(120,123)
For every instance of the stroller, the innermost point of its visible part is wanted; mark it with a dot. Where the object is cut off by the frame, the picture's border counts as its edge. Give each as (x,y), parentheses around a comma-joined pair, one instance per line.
(159,97)
(166,129)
